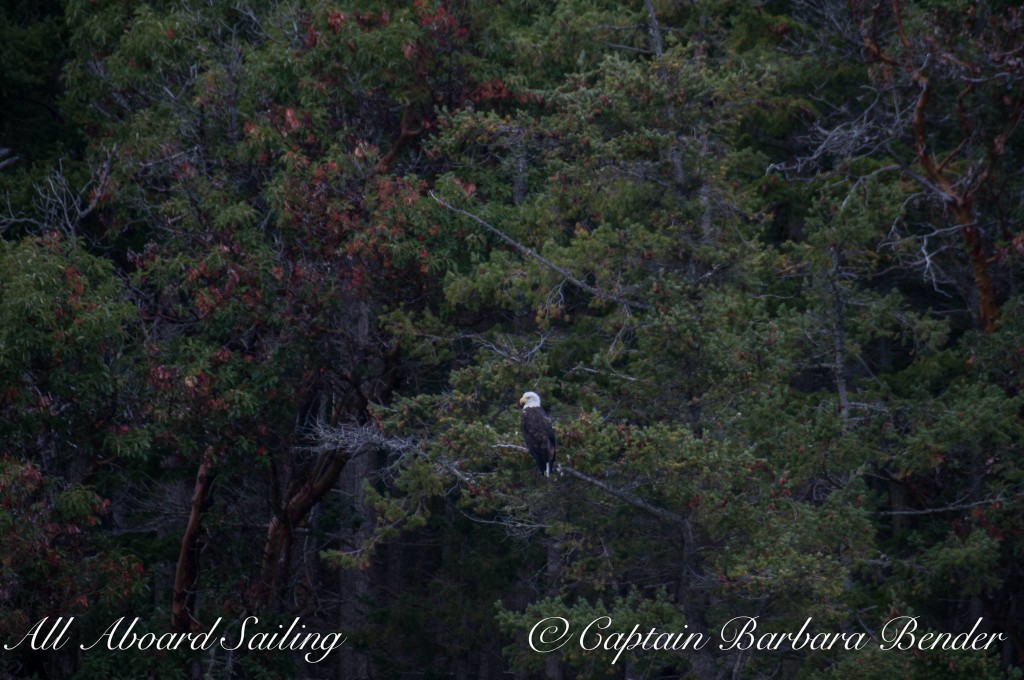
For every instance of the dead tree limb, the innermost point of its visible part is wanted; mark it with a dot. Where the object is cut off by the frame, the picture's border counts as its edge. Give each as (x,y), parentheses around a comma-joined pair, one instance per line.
(60,206)
(653,29)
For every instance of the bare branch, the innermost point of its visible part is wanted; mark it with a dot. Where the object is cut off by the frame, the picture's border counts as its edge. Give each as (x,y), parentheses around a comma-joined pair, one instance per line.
(60,206)
(507,349)
(954,507)
(629,499)
(531,253)
(653,29)
(6,159)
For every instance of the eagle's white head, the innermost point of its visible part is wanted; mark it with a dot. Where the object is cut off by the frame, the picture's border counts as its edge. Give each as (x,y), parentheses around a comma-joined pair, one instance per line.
(529,400)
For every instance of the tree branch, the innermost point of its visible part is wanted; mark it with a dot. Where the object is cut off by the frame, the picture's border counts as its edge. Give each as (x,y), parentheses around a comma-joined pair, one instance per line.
(628,498)
(953,507)
(531,253)
(653,29)
(6,159)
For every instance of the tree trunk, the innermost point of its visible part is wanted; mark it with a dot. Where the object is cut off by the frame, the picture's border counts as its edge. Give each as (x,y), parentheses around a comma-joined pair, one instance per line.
(279,534)
(355,583)
(187,571)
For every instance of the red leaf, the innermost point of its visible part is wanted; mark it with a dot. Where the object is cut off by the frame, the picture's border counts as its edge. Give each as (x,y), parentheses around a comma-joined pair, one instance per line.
(467,186)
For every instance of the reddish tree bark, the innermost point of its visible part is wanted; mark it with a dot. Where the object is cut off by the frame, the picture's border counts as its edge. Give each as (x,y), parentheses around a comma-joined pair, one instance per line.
(186,572)
(963,213)
(959,195)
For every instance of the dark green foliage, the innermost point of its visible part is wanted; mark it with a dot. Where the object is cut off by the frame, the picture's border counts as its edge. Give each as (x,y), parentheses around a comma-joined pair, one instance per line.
(273,277)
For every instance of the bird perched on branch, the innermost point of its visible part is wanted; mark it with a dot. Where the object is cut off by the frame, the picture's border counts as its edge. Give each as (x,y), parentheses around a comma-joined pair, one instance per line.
(538,432)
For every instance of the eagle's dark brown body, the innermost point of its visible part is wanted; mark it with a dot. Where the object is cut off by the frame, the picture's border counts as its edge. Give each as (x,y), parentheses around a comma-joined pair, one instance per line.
(540,437)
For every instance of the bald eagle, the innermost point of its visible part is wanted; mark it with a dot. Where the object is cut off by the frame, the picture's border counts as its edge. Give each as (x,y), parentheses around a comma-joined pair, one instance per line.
(537,430)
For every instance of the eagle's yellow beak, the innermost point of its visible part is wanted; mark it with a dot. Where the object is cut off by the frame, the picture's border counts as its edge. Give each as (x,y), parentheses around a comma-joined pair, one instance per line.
(521,400)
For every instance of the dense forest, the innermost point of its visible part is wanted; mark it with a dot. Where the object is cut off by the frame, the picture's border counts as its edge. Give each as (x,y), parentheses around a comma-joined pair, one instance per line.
(274,275)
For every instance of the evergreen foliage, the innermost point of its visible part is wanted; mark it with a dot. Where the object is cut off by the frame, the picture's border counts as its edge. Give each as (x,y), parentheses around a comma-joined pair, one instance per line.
(273,276)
